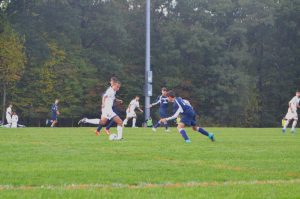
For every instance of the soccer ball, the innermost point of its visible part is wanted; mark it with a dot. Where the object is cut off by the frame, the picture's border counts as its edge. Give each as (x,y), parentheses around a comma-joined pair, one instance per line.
(113,137)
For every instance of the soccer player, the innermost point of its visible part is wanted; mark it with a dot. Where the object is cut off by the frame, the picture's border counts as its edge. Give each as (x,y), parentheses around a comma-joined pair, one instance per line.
(54,113)
(8,115)
(163,108)
(107,111)
(188,117)
(292,113)
(14,120)
(130,112)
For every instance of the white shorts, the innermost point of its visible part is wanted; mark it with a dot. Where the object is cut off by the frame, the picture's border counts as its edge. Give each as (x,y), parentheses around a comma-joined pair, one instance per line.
(291,116)
(14,125)
(8,119)
(108,113)
(130,114)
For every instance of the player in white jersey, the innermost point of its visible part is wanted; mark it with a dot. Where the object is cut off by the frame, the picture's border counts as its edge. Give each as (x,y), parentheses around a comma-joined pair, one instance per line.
(8,115)
(292,113)
(14,120)
(130,111)
(107,109)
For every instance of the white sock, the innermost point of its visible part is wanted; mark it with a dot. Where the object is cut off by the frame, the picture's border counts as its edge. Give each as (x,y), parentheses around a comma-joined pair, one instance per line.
(286,124)
(120,132)
(294,125)
(133,122)
(125,122)
(92,121)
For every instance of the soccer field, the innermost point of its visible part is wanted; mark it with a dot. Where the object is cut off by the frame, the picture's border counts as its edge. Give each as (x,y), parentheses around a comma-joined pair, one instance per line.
(74,163)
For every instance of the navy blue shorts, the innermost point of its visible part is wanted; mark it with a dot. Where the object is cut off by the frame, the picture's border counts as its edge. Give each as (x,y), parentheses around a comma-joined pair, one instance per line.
(188,119)
(163,114)
(54,117)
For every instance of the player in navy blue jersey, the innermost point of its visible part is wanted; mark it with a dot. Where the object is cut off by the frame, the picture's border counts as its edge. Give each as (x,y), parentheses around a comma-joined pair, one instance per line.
(163,108)
(54,113)
(188,117)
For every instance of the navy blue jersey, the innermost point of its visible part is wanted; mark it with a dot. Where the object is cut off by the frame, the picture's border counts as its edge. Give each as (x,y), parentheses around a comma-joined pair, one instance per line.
(162,101)
(54,108)
(184,106)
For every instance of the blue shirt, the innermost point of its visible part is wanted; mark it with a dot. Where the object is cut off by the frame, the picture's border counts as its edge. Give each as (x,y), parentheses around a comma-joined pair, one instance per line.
(163,103)
(181,106)
(54,108)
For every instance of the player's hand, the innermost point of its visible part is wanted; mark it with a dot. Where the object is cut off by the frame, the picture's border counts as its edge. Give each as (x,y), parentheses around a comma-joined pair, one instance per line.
(163,120)
(57,112)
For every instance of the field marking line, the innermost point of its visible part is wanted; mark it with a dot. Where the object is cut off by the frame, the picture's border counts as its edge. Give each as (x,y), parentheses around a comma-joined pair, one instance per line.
(147,185)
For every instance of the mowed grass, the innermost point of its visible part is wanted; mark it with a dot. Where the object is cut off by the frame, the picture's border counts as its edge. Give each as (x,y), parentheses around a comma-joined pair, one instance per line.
(74,163)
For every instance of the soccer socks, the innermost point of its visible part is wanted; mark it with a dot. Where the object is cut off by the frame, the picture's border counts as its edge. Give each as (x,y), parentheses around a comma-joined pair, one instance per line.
(99,128)
(166,125)
(120,132)
(286,124)
(183,134)
(157,125)
(133,122)
(110,124)
(294,126)
(92,121)
(202,131)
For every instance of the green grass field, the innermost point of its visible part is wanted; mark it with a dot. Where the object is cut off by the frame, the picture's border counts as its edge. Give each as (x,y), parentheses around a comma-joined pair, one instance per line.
(74,163)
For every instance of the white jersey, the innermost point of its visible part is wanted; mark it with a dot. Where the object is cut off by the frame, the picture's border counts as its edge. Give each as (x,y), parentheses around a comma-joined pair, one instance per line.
(294,103)
(14,121)
(133,105)
(8,112)
(110,95)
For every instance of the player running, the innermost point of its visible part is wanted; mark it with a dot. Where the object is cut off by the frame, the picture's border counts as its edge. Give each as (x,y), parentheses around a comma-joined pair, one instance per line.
(292,113)
(188,117)
(130,112)
(107,112)
(163,108)
(54,113)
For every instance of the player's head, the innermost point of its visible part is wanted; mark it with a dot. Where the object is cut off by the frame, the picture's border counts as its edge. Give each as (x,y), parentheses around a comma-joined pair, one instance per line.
(56,101)
(298,93)
(137,98)
(171,96)
(14,113)
(113,80)
(116,85)
(164,91)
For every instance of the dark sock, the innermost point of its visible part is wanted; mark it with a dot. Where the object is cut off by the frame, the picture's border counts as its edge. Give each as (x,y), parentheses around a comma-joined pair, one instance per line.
(183,134)
(110,124)
(202,131)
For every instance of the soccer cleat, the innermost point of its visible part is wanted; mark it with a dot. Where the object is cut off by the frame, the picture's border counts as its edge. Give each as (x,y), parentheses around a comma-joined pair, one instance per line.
(187,141)
(97,133)
(211,137)
(167,130)
(154,129)
(107,131)
(283,130)
(83,120)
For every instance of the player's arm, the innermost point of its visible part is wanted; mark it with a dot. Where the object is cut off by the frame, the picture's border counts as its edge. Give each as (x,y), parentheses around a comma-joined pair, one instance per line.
(140,109)
(173,117)
(155,103)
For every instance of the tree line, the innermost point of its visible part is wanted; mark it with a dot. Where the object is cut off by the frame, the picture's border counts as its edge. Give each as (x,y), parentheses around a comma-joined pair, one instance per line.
(237,61)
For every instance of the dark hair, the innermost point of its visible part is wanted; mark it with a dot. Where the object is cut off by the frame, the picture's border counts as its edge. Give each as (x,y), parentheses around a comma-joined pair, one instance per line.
(164,89)
(171,94)
(114,78)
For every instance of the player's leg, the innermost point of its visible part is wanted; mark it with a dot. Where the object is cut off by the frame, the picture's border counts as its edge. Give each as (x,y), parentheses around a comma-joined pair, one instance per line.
(92,121)
(119,123)
(166,126)
(180,128)
(294,125)
(286,125)
(126,120)
(204,132)
(8,119)
(110,124)
(102,122)
(133,122)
